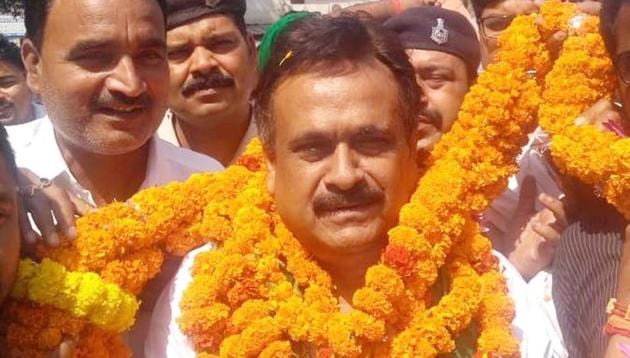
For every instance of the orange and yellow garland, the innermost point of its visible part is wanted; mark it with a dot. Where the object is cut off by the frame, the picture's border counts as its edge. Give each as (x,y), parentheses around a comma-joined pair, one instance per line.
(261,294)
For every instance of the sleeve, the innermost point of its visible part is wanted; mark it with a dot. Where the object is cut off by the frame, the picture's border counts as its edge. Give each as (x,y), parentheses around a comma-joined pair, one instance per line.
(535,322)
(165,339)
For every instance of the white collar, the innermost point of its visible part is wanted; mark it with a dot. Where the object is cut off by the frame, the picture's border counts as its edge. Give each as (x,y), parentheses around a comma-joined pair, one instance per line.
(166,163)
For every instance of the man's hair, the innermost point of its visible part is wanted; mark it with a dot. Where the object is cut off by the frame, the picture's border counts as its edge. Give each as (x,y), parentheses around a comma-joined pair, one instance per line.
(331,46)
(36,14)
(9,52)
(7,152)
(608,17)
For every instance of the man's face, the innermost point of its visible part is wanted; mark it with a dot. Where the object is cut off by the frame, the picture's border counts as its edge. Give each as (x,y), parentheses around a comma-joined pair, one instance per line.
(622,33)
(495,18)
(102,72)
(9,230)
(444,81)
(15,97)
(343,161)
(213,70)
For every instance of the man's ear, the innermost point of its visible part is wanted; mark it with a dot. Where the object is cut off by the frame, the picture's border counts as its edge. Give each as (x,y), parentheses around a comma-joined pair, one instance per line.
(32,63)
(271,176)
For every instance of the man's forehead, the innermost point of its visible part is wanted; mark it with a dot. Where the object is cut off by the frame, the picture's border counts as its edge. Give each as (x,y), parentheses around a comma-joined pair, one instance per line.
(510,8)
(431,58)
(8,70)
(88,20)
(205,27)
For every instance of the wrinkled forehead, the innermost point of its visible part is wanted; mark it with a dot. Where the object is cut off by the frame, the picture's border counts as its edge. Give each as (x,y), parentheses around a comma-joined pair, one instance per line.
(126,22)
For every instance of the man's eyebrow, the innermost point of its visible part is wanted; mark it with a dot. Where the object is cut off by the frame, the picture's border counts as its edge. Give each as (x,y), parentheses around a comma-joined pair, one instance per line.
(433,67)
(308,137)
(7,77)
(153,42)
(87,45)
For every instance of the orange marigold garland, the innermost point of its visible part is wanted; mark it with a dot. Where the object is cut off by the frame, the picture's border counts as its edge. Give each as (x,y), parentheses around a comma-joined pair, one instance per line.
(601,159)
(260,293)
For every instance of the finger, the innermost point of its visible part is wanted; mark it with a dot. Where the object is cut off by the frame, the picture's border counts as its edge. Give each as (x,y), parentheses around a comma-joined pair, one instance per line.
(41,212)
(81,207)
(547,232)
(526,199)
(555,42)
(602,109)
(589,7)
(63,209)
(28,235)
(556,206)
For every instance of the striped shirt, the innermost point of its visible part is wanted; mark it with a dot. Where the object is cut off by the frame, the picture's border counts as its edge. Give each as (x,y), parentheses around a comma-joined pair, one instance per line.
(585,267)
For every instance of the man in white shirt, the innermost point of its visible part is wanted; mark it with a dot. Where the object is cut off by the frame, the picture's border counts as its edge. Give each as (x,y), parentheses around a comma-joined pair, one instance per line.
(212,63)
(100,68)
(341,165)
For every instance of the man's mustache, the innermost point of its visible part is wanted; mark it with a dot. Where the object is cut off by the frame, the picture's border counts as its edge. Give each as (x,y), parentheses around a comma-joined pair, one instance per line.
(118,100)
(432,116)
(212,80)
(359,195)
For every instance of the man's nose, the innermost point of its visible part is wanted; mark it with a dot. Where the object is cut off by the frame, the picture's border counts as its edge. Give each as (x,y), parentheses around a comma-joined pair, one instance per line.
(203,61)
(126,80)
(345,172)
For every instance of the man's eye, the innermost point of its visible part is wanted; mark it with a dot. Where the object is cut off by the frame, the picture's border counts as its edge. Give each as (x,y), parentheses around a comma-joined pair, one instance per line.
(152,57)
(178,55)
(498,24)
(313,152)
(7,84)
(372,145)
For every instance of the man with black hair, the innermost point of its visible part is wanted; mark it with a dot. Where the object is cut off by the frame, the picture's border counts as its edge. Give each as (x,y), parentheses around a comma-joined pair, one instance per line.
(15,98)
(19,112)
(100,68)
(212,63)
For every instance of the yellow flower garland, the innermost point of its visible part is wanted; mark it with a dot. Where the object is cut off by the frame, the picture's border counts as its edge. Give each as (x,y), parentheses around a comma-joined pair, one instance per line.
(81,294)
(242,301)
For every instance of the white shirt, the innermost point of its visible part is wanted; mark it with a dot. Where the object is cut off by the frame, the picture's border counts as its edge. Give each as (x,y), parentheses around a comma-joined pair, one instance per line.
(22,135)
(535,322)
(166,163)
(167,132)
(539,333)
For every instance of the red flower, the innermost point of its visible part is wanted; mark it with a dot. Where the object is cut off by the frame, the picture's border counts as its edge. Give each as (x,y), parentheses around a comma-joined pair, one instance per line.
(400,259)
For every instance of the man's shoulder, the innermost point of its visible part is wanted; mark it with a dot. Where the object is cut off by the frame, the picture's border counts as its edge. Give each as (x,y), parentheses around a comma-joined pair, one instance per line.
(197,162)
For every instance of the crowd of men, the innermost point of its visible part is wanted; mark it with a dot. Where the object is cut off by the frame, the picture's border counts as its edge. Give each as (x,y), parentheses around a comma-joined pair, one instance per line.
(107,97)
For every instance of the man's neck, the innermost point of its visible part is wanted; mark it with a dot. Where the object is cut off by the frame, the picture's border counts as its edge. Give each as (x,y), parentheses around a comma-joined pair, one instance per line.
(107,177)
(220,141)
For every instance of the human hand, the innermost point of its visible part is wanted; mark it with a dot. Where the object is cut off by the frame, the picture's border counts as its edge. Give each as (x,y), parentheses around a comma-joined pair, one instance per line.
(535,234)
(604,116)
(47,202)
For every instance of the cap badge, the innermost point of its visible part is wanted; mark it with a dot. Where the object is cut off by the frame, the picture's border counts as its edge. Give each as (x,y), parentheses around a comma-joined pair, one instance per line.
(439,33)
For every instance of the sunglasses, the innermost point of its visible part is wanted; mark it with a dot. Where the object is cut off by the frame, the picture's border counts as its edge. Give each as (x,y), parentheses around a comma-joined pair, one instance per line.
(493,26)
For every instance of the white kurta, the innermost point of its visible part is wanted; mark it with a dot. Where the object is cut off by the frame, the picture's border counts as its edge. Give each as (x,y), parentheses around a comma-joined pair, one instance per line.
(539,335)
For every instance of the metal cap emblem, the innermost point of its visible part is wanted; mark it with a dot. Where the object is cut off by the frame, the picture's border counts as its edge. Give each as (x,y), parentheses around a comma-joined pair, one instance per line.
(439,33)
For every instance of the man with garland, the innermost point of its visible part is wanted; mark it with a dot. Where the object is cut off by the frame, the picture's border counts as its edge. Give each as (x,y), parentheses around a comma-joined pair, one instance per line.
(341,155)
(100,68)
(212,65)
